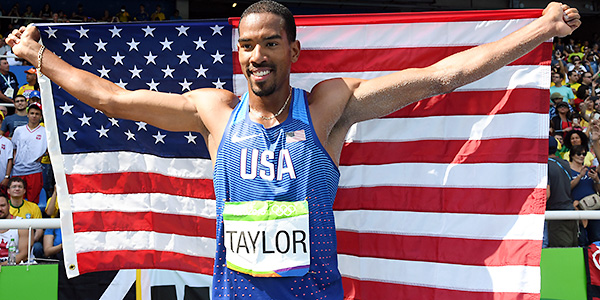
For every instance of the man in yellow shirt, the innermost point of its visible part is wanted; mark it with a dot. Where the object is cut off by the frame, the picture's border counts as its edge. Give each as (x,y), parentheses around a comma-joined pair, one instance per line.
(20,207)
(32,84)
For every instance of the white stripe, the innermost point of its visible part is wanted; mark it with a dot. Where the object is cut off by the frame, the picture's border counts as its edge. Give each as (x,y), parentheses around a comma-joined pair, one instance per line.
(508,77)
(454,225)
(510,279)
(144,240)
(456,127)
(483,175)
(121,161)
(160,203)
(407,35)
(120,285)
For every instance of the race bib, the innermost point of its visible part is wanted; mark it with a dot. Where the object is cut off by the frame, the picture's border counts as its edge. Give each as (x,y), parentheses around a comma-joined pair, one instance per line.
(9,92)
(267,238)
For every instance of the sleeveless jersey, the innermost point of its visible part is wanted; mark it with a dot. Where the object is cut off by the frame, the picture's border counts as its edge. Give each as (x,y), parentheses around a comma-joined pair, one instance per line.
(295,168)
(5,238)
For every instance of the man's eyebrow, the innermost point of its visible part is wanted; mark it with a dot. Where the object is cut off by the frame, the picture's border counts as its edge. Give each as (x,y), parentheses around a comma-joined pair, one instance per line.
(272,37)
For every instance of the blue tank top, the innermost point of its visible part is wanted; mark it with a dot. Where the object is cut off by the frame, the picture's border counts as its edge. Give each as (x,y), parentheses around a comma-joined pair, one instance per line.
(297,168)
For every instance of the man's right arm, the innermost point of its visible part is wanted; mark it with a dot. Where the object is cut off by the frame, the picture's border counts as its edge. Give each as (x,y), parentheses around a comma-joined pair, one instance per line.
(167,111)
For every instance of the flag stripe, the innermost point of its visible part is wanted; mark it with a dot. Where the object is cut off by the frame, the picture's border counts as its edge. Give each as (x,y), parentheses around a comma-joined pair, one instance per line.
(384,59)
(106,260)
(144,221)
(457,277)
(137,182)
(436,199)
(468,226)
(472,252)
(367,289)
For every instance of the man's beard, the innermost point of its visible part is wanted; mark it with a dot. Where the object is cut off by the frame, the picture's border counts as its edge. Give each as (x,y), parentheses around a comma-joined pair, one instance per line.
(263,91)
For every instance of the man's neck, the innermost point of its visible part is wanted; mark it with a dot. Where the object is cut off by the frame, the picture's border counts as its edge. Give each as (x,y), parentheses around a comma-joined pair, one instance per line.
(33,126)
(4,72)
(21,112)
(558,84)
(16,202)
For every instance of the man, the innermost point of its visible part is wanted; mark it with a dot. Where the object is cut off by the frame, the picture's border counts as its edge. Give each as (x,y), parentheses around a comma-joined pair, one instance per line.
(142,15)
(29,143)
(19,235)
(586,79)
(19,118)
(566,92)
(158,15)
(266,176)
(573,77)
(8,82)
(6,161)
(19,207)
(562,233)
(32,84)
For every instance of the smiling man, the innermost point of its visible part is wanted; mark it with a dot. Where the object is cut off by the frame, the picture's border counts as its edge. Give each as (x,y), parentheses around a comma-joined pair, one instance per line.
(276,151)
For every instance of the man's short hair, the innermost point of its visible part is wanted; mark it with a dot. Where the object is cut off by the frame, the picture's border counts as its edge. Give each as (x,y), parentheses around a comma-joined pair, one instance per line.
(20,96)
(572,72)
(3,58)
(3,195)
(268,6)
(17,179)
(560,74)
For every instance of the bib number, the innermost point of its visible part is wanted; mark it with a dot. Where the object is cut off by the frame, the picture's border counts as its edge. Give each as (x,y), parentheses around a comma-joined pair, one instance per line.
(9,92)
(267,238)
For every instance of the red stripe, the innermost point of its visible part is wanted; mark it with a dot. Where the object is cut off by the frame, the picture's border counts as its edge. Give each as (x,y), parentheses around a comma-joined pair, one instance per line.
(450,200)
(105,221)
(363,60)
(370,290)
(445,151)
(138,182)
(143,259)
(415,17)
(447,250)
(477,103)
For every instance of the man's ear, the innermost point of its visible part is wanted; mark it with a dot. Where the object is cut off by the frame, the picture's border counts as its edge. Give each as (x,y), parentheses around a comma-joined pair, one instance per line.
(295,50)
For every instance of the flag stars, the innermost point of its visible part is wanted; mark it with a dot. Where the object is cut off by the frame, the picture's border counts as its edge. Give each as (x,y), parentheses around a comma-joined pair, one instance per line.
(115,31)
(103,132)
(217,29)
(135,72)
(183,58)
(159,138)
(201,71)
(87,59)
(70,134)
(66,108)
(103,72)
(168,72)
(51,32)
(200,43)
(190,138)
(218,84)
(114,122)
(153,85)
(148,31)
(85,120)
(166,44)
(141,125)
(218,57)
(182,30)
(69,46)
(185,85)
(130,135)
(82,32)
(121,83)
(150,58)
(101,45)
(118,58)
(133,45)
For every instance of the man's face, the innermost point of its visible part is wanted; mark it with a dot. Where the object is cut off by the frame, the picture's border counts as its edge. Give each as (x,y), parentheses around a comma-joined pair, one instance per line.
(4,67)
(34,115)
(4,208)
(574,77)
(30,78)
(20,103)
(4,110)
(587,78)
(265,54)
(16,189)
(556,78)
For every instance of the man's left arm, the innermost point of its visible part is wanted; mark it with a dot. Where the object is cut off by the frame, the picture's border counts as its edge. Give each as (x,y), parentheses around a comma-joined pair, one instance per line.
(23,241)
(380,96)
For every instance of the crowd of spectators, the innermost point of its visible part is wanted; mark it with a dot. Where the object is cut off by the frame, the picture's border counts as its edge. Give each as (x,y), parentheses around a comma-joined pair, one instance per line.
(573,181)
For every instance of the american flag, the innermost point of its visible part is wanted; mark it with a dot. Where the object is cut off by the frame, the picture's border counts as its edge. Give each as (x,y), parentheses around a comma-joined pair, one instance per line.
(442,199)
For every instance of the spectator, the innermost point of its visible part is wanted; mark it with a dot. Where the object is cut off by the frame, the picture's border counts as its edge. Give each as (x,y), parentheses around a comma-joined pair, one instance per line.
(4,48)
(584,182)
(558,197)
(566,92)
(563,121)
(573,80)
(586,80)
(28,15)
(79,15)
(576,65)
(46,12)
(107,17)
(4,112)
(158,15)
(19,118)
(561,145)
(578,138)
(554,99)
(142,15)
(581,94)
(19,207)
(6,161)
(52,237)
(52,205)
(32,83)
(175,15)
(29,143)
(8,82)
(123,15)
(19,235)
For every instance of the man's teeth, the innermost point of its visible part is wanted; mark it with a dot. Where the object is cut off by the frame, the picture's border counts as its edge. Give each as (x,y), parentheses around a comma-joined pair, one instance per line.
(261,73)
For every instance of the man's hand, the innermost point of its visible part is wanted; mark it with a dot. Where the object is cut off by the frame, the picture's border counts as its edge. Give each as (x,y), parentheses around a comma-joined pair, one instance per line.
(564,18)
(24,43)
